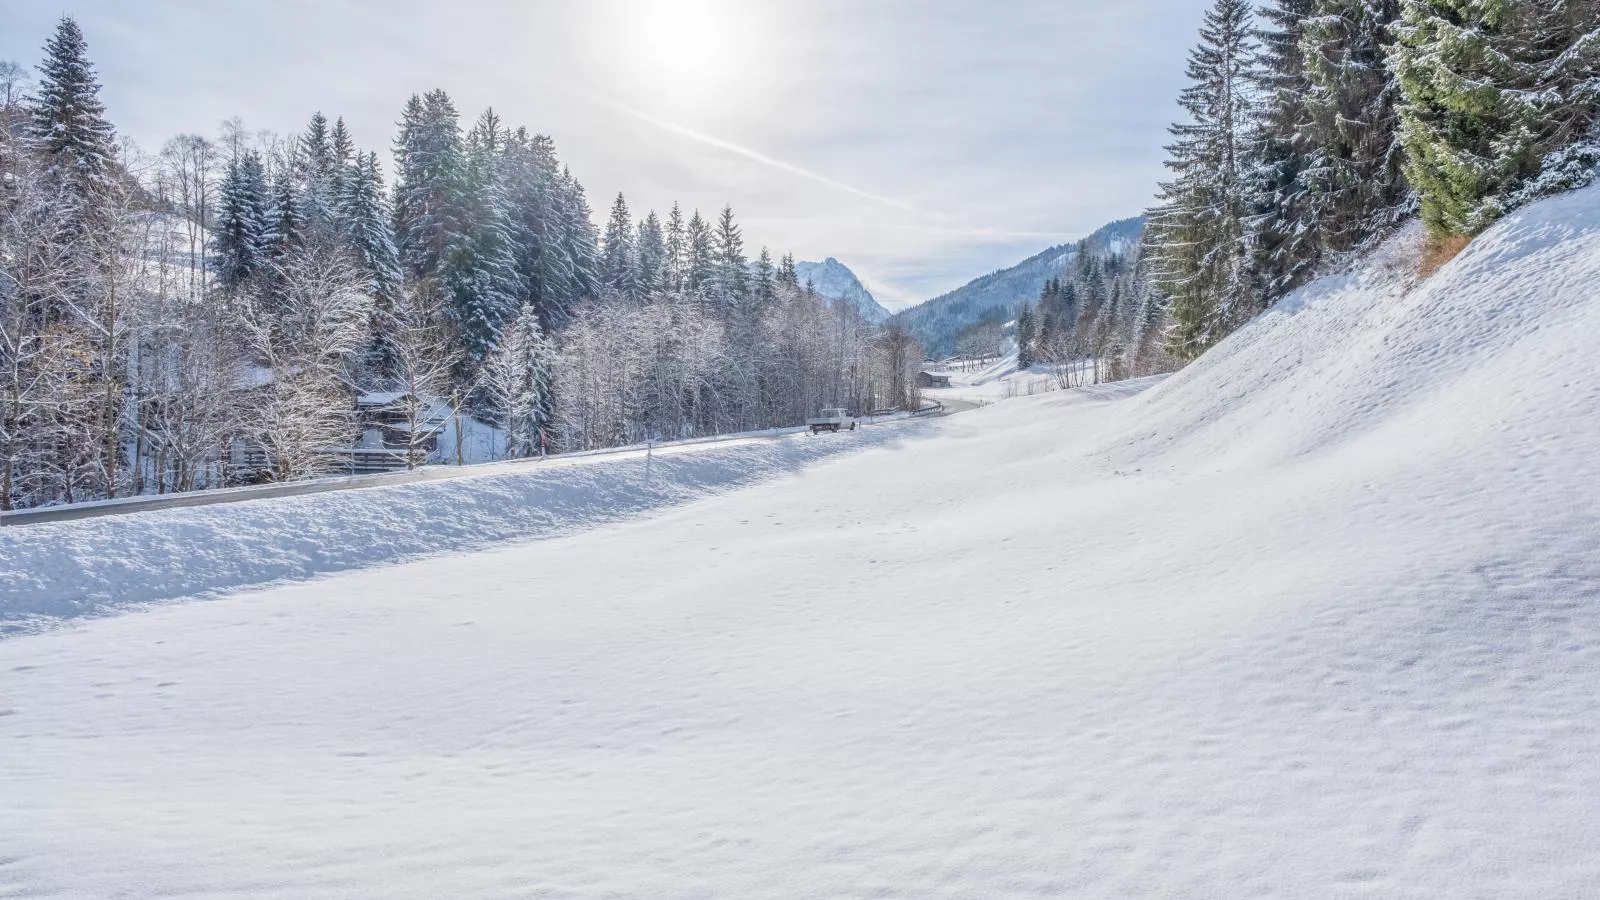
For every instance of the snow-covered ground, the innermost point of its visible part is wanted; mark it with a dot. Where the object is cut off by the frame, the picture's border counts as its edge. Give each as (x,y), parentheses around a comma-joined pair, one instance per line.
(1318,616)
(1002,380)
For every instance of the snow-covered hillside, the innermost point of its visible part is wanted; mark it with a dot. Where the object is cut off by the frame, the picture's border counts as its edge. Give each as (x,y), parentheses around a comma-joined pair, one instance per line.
(834,280)
(1318,616)
(937,322)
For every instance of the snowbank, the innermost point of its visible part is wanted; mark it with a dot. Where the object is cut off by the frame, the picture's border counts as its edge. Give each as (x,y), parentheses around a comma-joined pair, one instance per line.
(73,569)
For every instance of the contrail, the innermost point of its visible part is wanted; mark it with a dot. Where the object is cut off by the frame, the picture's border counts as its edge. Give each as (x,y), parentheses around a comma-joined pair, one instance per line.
(757,156)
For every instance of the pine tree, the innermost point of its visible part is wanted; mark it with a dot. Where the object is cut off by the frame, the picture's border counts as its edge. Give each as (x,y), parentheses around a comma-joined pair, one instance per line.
(67,123)
(286,221)
(534,189)
(787,273)
(365,230)
(345,164)
(764,287)
(1469,121)
(1283,212)
(427,196)
(1026,334)
(579,239)
(1356,172)
(652,255)
(619,266)
(520,376)
(316,172)
(699,269)
(677,250)
(478,271)
(730,279)
(1196,237)
(240,235)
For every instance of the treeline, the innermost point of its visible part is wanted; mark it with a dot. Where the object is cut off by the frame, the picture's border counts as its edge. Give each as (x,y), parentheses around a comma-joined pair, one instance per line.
(220,312)
(1318,126)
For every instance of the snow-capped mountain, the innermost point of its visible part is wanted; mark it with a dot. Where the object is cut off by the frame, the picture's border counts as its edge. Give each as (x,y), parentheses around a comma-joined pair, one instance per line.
(834,280)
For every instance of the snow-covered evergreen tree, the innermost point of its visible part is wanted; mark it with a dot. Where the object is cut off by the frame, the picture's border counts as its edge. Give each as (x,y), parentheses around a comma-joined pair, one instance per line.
(699,267)
(731,275)
(1469,120)
(619,266)
(521,382)
(478,271)
(579,239)
(677,250)
(1196,236)
(651,250)
(286,218)
(764,281)
(1027,333)
(427,195)
(1283,210)
(240,243)
(70,135)
(364,216)
(1355,172)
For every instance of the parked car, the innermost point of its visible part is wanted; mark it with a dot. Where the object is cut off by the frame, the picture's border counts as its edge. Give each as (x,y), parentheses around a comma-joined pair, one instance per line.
(832,420)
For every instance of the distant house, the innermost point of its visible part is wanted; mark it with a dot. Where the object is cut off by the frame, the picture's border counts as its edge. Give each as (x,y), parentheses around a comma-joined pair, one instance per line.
(927,379)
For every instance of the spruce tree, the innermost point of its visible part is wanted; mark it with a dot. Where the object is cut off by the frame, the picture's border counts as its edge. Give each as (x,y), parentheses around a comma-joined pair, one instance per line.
(478,269)
(240,235)
(286,220)
(522,384)
(1469,119)
(764,281)
(67,126)
(1026,334)
(1355,175)
(533,189)
(579,240)
(427,196)
(366,233)
(317,172)
(1196,237)
(700,267)
(730,278)
(651,249)
(1283,212)
(677,250)
(619,266)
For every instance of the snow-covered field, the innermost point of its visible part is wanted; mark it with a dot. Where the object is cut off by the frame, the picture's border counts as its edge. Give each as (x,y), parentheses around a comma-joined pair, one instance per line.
(1002,380)
(1317,617)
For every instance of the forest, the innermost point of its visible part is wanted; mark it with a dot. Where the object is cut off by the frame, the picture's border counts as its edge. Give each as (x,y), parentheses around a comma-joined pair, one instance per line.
(248,307)
(1316,128)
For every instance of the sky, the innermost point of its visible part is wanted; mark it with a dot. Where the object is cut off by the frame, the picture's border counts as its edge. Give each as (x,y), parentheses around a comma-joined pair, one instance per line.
(921,142)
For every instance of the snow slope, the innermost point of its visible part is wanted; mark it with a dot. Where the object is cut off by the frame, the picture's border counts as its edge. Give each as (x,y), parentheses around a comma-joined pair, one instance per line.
(68,570)
(1317,617)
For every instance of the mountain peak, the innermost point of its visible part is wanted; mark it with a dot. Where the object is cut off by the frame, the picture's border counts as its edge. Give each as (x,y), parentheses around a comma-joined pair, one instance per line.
(834,280)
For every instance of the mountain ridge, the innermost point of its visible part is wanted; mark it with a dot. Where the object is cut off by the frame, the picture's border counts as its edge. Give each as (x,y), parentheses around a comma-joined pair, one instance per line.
(834,280)
(938,321)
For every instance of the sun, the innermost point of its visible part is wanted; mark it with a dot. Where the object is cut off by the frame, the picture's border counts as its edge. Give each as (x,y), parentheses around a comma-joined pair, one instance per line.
(681,46)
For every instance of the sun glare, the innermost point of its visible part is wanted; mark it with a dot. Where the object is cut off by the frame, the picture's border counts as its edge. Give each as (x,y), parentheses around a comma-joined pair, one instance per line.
(680,45)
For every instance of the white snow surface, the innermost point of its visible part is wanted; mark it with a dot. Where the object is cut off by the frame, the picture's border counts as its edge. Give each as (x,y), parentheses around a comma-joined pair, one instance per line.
(51,573)
(1317,617)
